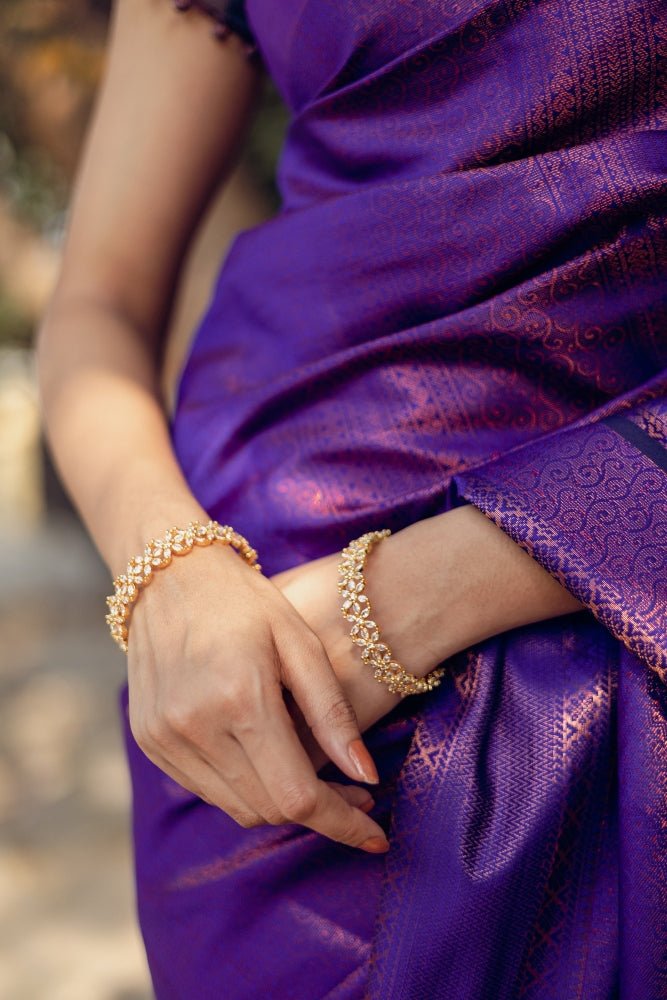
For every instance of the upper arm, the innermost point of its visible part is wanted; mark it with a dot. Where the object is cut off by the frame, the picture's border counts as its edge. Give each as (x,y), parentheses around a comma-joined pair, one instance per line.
(170,114)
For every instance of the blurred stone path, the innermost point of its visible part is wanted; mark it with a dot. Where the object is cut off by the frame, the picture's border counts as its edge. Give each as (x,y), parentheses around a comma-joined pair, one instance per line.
(67,923)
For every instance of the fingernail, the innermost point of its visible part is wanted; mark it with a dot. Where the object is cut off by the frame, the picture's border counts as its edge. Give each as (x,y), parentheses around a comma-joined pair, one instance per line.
(367,805)
(363,762)
(376,845)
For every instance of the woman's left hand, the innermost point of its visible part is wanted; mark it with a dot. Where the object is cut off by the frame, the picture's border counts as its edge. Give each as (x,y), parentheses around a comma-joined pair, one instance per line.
(435,587)
(409,585)
(312,589)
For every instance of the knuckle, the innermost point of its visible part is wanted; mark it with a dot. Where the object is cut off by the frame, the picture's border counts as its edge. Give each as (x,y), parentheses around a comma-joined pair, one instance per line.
(247,819)
(298,803)
(245,712)
(339,712)
(141,729)
(180,719)
(235,701)
(143,741)
(243,719)
(351,834)
(155,731)
(273,816)
(139,732)
(231,693)
(189,786)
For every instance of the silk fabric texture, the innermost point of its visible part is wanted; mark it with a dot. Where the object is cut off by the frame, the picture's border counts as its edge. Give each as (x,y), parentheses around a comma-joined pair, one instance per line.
(460,300)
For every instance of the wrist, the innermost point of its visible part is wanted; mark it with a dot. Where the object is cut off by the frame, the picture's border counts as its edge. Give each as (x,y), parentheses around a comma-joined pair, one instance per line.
(450,581)
(142,507)
(153,523)
(427,592)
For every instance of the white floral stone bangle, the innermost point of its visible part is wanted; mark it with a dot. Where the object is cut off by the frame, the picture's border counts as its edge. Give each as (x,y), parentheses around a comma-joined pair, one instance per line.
(157,554)
(356,608)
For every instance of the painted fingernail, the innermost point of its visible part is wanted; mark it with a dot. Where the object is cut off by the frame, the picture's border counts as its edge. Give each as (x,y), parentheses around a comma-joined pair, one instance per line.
(376,845)
(363,762)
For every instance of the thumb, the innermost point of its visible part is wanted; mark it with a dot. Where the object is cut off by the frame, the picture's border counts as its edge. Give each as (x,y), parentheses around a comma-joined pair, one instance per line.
(328,711)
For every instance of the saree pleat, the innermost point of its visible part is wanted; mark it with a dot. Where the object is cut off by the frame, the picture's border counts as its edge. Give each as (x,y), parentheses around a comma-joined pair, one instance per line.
(462,299)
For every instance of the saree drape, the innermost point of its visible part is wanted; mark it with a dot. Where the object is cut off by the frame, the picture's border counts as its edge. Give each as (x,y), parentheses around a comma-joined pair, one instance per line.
(462,299)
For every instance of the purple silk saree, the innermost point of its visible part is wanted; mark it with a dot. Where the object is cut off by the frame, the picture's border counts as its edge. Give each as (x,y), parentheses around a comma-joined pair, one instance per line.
(461,300)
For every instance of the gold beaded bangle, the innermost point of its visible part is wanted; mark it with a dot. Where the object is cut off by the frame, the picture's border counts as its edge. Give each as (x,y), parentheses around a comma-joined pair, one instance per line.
(356,608)
(158,554)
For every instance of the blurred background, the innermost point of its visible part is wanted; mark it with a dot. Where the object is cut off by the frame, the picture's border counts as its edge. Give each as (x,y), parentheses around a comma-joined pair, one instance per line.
(67,920)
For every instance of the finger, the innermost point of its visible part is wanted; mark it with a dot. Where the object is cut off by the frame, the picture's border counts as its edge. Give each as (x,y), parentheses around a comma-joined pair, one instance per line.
(181,761)
(241,774)
(148,736)
(181,778)
(327,710)
(214,764)
(204,782)
(312,747)
(271,742)
(221,794)
(356,796)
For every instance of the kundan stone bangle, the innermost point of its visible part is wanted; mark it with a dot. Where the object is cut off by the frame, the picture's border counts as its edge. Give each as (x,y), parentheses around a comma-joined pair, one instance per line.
(157,554)
(356,608)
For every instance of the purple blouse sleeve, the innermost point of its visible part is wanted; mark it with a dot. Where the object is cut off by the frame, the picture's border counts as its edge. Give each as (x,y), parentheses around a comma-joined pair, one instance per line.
(229,17)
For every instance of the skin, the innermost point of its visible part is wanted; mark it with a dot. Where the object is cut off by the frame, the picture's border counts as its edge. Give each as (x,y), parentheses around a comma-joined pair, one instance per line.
(422,616)
(241,707)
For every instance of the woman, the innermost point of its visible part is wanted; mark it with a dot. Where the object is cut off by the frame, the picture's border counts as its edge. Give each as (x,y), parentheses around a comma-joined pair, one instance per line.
(454,328)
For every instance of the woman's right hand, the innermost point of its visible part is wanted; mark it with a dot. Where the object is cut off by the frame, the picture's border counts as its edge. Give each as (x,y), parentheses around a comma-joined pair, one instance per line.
(212,643)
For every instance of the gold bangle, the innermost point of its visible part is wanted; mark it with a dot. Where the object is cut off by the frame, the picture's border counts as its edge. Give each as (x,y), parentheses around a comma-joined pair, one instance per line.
(158,554)
(356,608)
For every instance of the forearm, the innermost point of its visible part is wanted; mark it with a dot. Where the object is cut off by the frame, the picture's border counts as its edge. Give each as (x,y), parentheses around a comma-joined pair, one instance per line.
(462,579)
(107,429)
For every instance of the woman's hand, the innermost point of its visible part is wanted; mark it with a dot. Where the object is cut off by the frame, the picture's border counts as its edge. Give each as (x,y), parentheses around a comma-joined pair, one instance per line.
(436,587)
(312,589)
(211,645)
